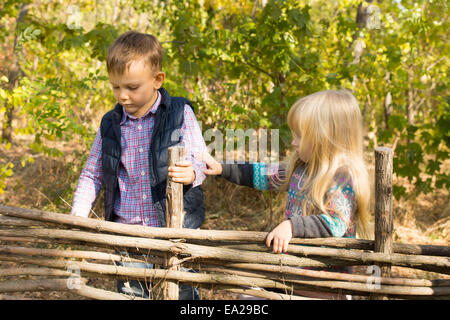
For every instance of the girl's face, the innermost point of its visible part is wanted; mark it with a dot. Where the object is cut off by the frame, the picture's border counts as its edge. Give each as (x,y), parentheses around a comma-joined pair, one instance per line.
(305,155)
(295,141)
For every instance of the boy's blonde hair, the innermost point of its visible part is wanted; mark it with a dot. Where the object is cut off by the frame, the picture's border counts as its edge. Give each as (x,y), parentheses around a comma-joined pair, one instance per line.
(132,46)
(329,124)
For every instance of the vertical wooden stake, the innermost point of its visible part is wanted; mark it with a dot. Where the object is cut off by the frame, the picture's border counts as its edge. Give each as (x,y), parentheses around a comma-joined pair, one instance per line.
(174,219)
(384,226)
(174,192)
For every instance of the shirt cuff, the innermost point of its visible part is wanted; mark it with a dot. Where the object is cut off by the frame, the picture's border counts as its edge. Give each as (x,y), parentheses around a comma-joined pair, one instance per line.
(199,168)
(80,211)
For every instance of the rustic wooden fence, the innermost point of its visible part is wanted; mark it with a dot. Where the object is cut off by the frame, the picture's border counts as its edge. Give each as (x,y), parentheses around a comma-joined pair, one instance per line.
(64,251)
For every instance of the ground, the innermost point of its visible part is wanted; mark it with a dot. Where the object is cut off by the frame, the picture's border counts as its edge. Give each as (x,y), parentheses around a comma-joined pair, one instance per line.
(48,184)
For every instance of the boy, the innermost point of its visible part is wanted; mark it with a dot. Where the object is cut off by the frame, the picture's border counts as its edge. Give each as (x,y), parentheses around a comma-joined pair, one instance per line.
(129,156)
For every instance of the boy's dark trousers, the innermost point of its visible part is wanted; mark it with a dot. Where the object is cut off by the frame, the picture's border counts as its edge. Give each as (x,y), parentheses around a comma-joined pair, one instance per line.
(143,289)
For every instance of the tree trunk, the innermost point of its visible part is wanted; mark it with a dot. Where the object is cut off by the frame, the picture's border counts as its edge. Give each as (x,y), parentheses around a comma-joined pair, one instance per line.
(13,77)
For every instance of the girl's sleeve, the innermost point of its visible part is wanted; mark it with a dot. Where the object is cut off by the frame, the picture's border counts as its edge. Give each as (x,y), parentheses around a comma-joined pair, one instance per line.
(336,222)
(313,226)
(241,174)
(261,176)
(341,208)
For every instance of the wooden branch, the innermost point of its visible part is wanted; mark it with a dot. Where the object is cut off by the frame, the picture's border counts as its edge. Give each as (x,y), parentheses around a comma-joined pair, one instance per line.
(347,243)
(11,272)
(384,225)
(174,219)
(438,264)
(20,222)
(279,270)
(285,284)
(174,191)
(382,289)
(285,270)
(209,235)
(246,262)
(35,285)
(100,294)
(64,264)
(321,259)
(262,293)
(131,230)
(23,239)
(331,284)
(142,273)
(65,253)
(72,243)
(61,285)
(184,248)
(10,297)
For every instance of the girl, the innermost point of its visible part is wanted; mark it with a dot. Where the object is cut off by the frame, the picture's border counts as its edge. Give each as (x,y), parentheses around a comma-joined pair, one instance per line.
(325,175)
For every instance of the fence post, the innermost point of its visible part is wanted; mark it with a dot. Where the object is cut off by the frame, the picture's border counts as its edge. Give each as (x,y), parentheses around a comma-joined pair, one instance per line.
(174,219)
(384,225)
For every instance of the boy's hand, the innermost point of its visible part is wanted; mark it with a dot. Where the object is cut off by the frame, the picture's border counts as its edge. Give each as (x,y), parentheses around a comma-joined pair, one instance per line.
(281,236)
(214,167)
(182,172)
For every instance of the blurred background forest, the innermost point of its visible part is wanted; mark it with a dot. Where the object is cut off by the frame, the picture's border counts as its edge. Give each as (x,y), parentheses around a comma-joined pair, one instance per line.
(242,64)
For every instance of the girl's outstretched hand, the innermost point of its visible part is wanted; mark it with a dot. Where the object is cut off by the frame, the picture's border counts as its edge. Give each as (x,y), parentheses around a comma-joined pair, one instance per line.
(281,236)
(214,167)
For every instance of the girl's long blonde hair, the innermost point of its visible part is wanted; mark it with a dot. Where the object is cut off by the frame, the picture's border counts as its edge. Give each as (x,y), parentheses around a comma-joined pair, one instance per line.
(330,128)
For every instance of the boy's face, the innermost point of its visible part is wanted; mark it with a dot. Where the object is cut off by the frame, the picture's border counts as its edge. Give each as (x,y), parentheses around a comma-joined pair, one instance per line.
(136,89)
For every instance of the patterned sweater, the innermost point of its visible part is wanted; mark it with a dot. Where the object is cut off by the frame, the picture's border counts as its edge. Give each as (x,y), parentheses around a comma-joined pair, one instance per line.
(341,204)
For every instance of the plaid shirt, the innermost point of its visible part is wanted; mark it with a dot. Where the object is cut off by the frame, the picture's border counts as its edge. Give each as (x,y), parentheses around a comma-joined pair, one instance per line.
(134,204)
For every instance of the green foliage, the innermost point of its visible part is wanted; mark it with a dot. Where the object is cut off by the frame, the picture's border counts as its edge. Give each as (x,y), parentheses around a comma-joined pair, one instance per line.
(6,170)
(29,34)
(243,64)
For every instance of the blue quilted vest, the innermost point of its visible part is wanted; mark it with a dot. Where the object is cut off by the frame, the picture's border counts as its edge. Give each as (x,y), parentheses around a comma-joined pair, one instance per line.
(169,120)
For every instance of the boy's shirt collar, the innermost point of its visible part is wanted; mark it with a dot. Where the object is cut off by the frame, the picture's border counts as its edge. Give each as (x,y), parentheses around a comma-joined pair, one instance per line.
(151,110)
